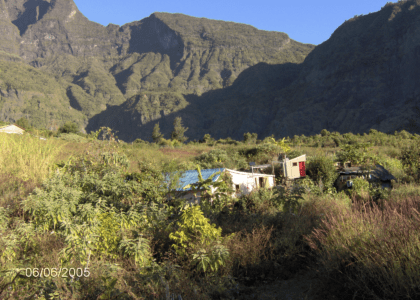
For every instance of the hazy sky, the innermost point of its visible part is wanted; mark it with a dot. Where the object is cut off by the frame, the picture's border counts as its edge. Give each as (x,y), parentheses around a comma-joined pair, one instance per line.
(305,21)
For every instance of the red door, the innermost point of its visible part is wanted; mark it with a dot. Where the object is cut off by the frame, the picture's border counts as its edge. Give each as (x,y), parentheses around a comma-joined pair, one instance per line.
(302,169)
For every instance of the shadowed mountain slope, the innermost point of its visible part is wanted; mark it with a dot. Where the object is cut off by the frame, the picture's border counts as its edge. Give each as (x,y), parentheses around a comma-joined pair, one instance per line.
(167,56)
(367,75)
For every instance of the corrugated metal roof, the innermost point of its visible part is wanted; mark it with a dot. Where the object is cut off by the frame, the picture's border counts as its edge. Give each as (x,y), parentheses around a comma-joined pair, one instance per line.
(353,170)
(378,173)
(382,174)
(191,176)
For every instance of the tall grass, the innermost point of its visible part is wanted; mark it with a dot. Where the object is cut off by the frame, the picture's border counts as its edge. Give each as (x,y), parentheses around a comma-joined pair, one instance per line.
(372,251)
(27,157)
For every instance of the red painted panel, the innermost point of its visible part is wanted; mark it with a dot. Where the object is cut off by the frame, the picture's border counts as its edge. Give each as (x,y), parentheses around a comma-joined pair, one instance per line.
(302,169)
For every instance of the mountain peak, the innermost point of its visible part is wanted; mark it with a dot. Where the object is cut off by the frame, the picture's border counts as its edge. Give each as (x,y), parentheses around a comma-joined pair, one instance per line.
(24,13)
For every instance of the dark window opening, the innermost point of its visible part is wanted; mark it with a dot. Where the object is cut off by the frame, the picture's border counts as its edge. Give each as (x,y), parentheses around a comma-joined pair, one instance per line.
(295,164)
(261,181)
(237,188)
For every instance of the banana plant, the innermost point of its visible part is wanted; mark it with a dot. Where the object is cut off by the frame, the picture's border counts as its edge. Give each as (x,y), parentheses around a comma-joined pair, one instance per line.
(207,186)
(281,144)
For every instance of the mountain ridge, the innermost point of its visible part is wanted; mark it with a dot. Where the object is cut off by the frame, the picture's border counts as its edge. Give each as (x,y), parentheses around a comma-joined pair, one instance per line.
(222,78)
(167,55)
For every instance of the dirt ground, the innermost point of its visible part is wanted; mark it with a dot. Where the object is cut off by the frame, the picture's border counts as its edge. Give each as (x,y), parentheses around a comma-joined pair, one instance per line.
(301,287)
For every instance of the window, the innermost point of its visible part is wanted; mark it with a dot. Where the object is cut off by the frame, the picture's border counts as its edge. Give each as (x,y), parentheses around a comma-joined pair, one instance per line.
(295,164)
(237,188)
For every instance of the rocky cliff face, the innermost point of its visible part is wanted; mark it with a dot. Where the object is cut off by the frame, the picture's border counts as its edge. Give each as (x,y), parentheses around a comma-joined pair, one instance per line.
(367,75)
(221,77)
(161,58)
(9,34)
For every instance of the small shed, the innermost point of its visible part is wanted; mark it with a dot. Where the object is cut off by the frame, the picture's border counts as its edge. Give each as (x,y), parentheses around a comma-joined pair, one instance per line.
(12,129)
(294,168)
(242,182)
(377,174)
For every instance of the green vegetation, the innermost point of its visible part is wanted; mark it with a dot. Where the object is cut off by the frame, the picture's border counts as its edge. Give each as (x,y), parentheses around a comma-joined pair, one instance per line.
(250,138)
(108,70)
(111,210)
(22,122)
(321,170)
(68,128)
(156,134)
(179,130)
(101,206)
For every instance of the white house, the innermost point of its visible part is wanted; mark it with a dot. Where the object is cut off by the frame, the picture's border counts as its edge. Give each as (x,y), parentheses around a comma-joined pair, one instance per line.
(246,182)
(12,129)
(242,182)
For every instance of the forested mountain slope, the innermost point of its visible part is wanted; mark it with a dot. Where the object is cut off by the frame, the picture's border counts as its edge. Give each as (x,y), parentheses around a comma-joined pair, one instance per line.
(164,56)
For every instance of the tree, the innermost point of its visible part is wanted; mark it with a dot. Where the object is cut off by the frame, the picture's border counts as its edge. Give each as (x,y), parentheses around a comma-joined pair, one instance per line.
(357,154)
(322,169)
(325,132)
(410,158)
(250,138)
(69,127)
(179,130)
(208,139)
(22,122)
(156,134)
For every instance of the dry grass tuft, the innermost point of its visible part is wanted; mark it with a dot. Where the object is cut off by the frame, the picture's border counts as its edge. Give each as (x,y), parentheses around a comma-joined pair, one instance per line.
(372,249)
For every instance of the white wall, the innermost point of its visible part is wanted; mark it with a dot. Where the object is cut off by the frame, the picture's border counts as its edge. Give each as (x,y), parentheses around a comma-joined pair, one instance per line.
(246,181)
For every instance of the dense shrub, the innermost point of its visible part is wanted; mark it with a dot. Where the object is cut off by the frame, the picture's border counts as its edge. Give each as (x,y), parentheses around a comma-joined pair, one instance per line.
(325,132)
(360,188)
(294,153)
(140,141)
(322,171)
(219,158)
(208,139)
(196,235)
(22,122)
(250,138)
(69,127)
(263,153)
(227,141)
(356,153)
(410,158)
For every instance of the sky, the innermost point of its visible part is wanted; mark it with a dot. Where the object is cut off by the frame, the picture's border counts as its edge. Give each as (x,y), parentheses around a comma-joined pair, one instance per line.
(305,21)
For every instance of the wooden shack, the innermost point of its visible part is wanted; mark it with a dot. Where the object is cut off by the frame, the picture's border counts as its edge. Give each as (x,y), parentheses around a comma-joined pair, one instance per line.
(376,175)
(295,167)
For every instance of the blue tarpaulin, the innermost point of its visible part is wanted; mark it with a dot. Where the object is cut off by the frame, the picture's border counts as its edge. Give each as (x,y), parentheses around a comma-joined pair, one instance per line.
(191,176)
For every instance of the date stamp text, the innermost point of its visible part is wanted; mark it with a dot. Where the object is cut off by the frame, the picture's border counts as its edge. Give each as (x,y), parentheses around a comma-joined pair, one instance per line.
(57,272)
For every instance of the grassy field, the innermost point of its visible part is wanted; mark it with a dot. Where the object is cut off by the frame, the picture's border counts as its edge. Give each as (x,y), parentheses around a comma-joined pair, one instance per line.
(98,209)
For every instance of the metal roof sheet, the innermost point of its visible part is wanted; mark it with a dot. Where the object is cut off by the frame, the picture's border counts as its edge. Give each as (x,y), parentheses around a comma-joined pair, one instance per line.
(378,172)
(191,176)
(382,174)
